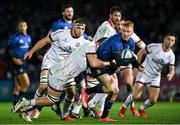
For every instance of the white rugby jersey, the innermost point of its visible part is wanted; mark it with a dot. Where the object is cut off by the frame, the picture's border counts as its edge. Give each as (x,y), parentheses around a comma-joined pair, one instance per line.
(106,30)
(63,44)
(156,59)
(75,64)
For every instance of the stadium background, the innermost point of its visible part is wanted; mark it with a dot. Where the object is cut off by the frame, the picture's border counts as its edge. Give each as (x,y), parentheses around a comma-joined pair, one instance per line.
(152,19)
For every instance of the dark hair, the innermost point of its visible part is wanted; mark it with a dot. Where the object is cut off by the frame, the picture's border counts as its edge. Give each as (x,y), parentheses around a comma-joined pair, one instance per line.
(22,21)
(80,21)
(115,8)
(170,34)
(66,6)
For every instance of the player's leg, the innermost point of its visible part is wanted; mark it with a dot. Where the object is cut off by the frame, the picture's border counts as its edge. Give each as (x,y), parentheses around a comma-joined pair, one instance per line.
(127,76)
(110,86)
(153,92)
(138,88)
(69,99)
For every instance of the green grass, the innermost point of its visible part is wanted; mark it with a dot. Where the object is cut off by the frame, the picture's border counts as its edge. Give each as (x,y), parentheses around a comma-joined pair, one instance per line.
(161,113)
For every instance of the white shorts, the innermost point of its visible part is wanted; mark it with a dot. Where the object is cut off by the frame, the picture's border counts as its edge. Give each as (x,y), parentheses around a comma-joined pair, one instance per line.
(47,63)
(125,67)
(59,84)
(146,80)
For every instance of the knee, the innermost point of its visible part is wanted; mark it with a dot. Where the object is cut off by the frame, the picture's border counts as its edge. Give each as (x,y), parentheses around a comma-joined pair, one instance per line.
(115,91)
(51,99)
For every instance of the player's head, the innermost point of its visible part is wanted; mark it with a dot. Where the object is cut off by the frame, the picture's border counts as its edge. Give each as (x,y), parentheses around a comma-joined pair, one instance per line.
(22,26)
(79,26)
(169,40)
(127,30)
(68,12)
(119,27)
(115,14)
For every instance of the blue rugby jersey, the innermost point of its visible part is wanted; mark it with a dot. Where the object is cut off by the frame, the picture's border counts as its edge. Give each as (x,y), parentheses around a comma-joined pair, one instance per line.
(20,44)
(113,44)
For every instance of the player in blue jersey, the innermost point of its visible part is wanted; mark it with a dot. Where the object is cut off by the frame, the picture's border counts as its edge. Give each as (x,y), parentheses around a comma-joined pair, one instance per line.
(18,45)
(109,50)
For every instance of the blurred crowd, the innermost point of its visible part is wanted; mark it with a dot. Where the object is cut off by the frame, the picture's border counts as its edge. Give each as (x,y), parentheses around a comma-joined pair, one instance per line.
(152,19)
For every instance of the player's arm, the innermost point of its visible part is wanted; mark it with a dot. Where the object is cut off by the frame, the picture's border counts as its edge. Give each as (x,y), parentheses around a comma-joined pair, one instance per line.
(140,55)
(141,44)
(171,73)
(41,43)
(94,62)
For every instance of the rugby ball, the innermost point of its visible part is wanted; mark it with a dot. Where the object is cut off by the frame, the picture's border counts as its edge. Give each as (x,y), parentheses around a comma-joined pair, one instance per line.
(126,54)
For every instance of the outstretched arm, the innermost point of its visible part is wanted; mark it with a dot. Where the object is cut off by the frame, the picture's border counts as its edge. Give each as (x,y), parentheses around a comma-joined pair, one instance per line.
(41,43)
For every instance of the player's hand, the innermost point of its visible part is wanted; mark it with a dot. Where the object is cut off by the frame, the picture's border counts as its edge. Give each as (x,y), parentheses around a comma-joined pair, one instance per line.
(169,77)
(141,68)
(28,55)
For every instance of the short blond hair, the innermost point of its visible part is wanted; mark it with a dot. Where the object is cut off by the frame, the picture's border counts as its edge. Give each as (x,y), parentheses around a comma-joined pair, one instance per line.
(128,23)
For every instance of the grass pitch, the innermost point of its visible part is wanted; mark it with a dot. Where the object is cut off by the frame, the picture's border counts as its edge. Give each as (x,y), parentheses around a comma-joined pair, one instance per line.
(160,113)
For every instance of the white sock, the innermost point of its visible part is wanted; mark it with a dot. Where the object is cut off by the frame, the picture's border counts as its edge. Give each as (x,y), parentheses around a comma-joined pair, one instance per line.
(95,99)
(32,102)
(128,101)
(146,105)
(102,102)
(77,108)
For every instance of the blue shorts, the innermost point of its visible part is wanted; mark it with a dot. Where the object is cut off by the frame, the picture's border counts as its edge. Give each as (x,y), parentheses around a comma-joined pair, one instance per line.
(19,69)
(100,71)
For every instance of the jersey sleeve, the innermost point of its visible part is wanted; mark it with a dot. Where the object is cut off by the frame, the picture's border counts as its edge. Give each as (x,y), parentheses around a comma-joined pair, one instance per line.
(135,38)
(91,47)
(172,59)
(103,31)
(54,36)
(12,41)
(150,47)
(56,26)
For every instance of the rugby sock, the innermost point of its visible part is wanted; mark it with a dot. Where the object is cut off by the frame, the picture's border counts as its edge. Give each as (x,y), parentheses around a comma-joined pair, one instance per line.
(130,90)
(15,98)
(107,108)
(102,102)
(77,108)
(31,102)
(66,107)
(94,100)
(146,104)
(96,89)
(128,101)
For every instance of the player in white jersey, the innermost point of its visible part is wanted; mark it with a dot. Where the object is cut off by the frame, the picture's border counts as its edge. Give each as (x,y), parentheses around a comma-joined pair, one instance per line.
(157,56)
(65,41)
(107,29)
(63,72)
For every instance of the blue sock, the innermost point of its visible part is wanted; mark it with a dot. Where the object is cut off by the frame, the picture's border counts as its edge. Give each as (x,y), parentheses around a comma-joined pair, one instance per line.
(96,89)
(15,99)
(107,107)
(21,94)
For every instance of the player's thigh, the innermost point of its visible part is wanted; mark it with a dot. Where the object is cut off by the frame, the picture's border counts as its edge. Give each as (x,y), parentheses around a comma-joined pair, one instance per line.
(127,75)
(23,79)
(54,94)
(138,89)
(153,93)
(105,80)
